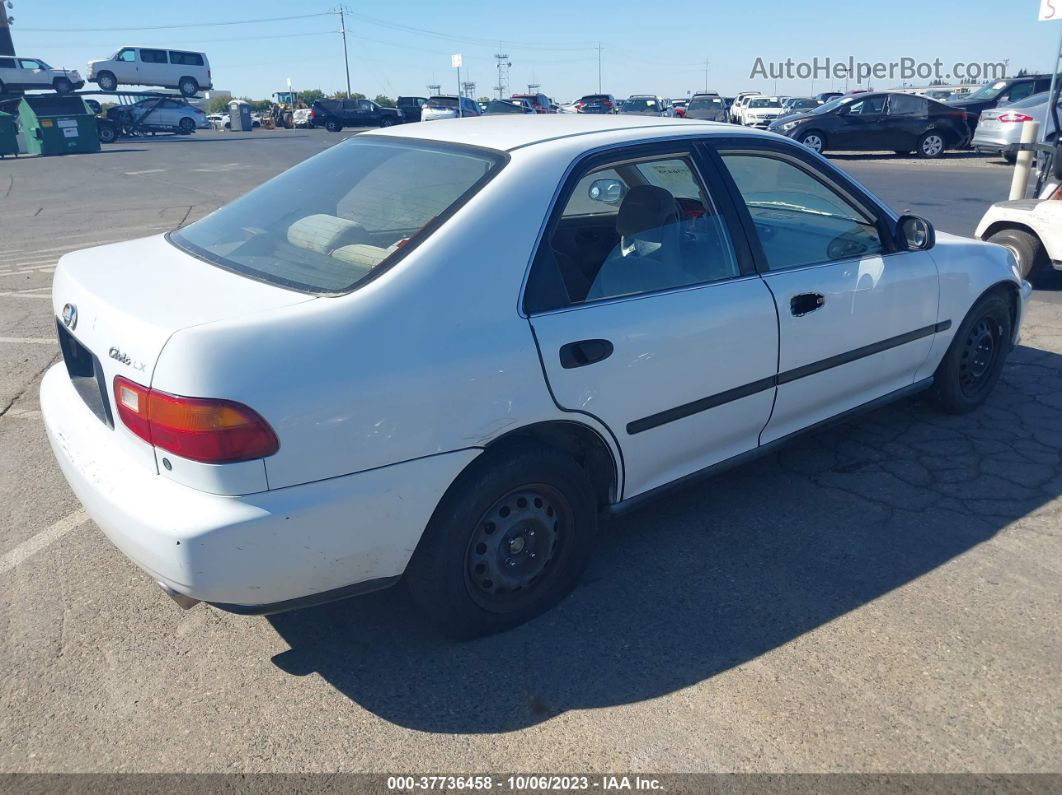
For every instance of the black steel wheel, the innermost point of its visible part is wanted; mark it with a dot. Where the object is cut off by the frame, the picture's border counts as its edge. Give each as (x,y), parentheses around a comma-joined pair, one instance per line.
(974,361)
(509,539)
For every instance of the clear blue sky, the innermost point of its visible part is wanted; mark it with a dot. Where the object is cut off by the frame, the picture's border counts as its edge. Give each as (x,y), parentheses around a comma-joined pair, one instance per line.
(645,48)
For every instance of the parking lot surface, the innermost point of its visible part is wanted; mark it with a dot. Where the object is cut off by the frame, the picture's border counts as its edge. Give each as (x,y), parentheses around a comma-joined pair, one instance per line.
(885,595)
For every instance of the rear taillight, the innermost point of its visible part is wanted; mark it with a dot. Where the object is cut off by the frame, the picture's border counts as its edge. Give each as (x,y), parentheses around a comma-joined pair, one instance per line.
(1012,116)
(201,429)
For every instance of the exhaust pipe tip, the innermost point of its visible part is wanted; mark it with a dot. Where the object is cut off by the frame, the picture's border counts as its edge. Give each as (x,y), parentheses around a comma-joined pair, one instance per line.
(183,602)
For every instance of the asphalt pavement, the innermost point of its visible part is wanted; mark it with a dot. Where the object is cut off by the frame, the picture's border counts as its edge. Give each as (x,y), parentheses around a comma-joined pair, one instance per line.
(882,596)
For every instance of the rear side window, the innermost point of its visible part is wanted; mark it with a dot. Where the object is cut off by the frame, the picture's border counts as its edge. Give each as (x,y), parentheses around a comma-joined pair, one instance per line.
(327,224)
(7,63)
(153,56)
(907,105)
(186,58)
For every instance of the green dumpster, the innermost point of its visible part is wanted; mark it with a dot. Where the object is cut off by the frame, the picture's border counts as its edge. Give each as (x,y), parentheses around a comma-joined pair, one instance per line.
(8,135)
(54,124)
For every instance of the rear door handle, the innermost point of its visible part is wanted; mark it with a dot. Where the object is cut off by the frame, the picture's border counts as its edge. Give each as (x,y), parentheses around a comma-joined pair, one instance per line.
(584,352)
(804,303)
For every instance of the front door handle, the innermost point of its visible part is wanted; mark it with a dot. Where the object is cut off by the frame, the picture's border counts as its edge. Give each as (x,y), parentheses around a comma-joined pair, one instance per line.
(584,352)
(804,303)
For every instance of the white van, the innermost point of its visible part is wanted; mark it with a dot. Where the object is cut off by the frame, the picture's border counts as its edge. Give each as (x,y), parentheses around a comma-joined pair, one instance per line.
(144,66)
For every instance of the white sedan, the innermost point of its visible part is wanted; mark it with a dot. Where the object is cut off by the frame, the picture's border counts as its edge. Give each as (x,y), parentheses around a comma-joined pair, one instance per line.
(354,374)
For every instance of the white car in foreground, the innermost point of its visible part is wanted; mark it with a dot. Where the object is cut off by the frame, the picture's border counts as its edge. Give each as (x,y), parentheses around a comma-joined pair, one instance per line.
(353,375)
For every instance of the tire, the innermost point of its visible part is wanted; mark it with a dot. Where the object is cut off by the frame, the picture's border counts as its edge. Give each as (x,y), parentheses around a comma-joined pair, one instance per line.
(386,121)
(62,85)
(108,135)
(1010,157)
(931,145)
(186,126)
(106,81)
(333,126)
(188,86)
(971,367)
(507,542)
(813,140)
(1026,248)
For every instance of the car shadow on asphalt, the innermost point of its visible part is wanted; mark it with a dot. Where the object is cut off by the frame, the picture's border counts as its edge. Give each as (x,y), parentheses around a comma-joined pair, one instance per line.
(949,155)
(720,572)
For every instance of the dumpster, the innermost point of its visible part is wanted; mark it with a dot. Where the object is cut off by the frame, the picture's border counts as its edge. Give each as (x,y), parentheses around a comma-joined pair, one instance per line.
(8,135)
(54,124)
(240,116)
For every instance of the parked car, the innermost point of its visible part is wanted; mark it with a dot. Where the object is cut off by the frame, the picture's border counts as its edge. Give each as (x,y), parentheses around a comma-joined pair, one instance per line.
(827,96)
(597,103)
(707,107)
(761,111)
(33,74)
(799,105)
(1000,127)
(1031,229)
(410,107)
(335,114)
(738,105)
(253,446)
(1000,92)
(644,105)
(188,72)
(159,114)
(539,102)
(444,106)
(300,117)
(507,106)
(678,108)
(899,122)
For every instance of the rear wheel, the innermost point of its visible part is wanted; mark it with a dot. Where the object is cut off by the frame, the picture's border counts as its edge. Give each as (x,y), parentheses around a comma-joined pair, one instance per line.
(62,85)
(106,81)
(188,86)
(971,367)
(931,145)
(108,134)
(186,126)
(1026,248)
(507,542)
(813,140)
(333,126)
(386,121)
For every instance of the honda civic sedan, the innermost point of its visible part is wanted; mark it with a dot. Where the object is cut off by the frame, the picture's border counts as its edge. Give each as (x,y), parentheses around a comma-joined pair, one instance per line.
(355,374)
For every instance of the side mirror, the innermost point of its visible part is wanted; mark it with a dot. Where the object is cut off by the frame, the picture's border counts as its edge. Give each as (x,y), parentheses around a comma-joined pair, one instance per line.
(915,234)
(609,191)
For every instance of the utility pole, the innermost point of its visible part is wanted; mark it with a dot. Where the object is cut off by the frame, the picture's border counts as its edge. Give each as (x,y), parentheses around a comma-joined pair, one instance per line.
(343,33)
(503,73)
(532,88)
(434,89)
(469,87)
(599,67)
(706,75)
(7,47)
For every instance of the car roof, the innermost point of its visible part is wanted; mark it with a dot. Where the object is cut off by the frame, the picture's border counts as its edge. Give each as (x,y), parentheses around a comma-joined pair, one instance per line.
(506,133)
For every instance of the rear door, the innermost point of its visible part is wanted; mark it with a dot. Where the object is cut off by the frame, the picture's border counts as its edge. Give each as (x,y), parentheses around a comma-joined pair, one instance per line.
(667,337)
(10,75)
(856,317)
(155,69)
(906,118)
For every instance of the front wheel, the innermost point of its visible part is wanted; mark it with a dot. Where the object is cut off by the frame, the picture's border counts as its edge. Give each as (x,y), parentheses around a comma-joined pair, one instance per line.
(931,145)
(106,81)
(507,542)
(975,359)
(814,140)
(1026,248)
(62,85)
(108,133)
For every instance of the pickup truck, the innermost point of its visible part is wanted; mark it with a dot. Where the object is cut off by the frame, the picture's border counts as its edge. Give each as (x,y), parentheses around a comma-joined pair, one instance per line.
(335,114)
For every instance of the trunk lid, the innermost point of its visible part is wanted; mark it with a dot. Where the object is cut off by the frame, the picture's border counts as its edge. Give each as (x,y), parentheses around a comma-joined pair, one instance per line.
(117,305)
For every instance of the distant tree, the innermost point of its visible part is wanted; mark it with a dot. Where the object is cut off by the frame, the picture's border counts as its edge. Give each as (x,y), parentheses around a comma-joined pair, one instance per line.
(384,102)
(311,95)
(1022,72)
(345,95)
(483,99)
(217,105)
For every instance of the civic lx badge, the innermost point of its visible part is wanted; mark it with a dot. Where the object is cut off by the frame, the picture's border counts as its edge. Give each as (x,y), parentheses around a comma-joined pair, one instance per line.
(70,316)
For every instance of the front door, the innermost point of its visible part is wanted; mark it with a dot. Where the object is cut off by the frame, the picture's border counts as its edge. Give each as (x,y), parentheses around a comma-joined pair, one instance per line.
(859,125)
(856,317)
(648,315)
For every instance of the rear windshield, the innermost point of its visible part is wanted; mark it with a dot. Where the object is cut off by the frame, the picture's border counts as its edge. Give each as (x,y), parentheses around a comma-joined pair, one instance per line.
(640,104)
(596,98)
(327,224)
(443,102)
(705,104)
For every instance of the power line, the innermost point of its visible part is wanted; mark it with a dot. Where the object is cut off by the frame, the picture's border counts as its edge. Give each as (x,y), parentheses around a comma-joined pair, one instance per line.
(466,39)
(171,27)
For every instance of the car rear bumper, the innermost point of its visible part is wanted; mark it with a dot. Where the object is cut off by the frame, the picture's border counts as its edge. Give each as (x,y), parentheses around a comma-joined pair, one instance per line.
(989,141)
(251,554)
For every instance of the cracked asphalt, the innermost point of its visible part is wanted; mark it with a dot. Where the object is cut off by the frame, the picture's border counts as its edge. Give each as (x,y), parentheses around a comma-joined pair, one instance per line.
(883,596)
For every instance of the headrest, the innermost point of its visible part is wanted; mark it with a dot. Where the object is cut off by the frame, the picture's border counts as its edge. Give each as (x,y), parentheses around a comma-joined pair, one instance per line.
(645,207)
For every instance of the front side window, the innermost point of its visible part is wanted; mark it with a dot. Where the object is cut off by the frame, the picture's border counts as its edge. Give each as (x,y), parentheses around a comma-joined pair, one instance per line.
(29,63)
(798,218)
(325,225)
(1020,91)
(637,227)
(869,106)
(126,55)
